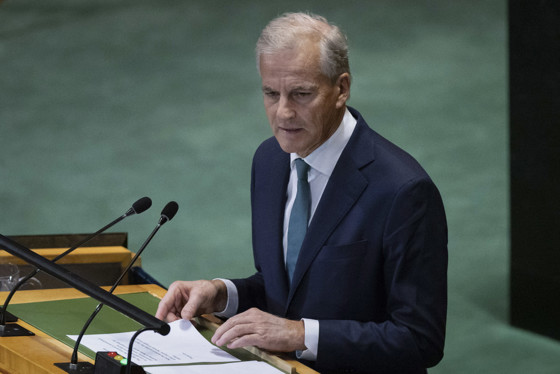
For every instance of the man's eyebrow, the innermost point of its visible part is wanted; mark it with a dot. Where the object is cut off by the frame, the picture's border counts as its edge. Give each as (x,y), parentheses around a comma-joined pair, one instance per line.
(302,87)
(305,87)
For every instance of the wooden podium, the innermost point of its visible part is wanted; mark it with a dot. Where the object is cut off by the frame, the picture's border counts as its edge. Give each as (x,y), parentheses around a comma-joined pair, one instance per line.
(101,264)
(37,354)
(101,261)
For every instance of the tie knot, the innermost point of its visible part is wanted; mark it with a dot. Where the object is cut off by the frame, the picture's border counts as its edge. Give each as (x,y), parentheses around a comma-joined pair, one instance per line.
(302,168)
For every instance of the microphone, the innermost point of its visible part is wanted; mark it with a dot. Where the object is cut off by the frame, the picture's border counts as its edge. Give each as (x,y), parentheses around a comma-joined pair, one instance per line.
(167,215)
(84,285)
(139,206)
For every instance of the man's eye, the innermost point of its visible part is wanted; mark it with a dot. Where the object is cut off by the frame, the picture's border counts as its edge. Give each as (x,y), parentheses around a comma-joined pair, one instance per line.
(271,94)
(302,93)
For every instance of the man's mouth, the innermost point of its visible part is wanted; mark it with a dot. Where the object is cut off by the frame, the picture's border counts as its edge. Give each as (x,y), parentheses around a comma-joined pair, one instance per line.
(290,130)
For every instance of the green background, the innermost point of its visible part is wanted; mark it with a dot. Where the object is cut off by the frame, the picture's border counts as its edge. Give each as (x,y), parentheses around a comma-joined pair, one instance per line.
(103,102)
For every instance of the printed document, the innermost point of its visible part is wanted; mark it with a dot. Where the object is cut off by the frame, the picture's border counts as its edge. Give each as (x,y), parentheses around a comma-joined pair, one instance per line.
(245,367)
(183,345)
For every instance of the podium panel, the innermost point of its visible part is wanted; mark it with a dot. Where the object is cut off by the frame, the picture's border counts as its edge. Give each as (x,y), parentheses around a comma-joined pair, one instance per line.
(101,261)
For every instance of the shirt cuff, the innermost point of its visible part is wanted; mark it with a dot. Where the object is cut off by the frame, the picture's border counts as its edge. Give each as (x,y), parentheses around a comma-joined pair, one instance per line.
(311,340)
(232,300)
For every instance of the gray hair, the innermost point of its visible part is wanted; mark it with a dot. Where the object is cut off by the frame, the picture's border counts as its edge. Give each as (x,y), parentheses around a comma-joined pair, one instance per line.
(291,29)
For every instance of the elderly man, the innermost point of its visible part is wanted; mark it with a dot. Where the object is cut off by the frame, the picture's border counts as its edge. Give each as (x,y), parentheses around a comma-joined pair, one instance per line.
(349,232)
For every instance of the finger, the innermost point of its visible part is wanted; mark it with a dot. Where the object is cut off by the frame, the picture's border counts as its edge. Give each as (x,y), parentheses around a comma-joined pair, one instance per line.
(160,313)
(229,332)
(172,317)
(163,308)
(245,341)
(222,330)
(226,326)
(247,317)
(236,332)
(171,302)
(191,308)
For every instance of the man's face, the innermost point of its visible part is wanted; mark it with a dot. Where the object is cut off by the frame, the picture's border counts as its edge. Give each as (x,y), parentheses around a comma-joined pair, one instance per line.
(303,106)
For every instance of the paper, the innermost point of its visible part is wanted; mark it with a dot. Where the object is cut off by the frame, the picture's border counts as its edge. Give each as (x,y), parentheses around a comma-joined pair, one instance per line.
(244,367)
(183,345)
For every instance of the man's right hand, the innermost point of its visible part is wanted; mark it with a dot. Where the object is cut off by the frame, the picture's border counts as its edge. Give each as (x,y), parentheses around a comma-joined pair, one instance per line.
(190,299)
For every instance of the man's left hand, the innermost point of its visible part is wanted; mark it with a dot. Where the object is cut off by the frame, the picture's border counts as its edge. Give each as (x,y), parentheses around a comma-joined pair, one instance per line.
(266,331)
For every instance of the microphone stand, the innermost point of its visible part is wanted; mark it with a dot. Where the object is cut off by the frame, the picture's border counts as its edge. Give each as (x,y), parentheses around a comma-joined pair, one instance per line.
(74,366)
(84,286)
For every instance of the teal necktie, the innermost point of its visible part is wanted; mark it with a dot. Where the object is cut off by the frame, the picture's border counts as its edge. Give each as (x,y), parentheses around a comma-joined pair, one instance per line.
(299,218)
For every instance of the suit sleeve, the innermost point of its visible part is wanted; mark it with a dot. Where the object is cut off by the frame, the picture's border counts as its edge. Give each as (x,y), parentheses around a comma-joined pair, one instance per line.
(251,290)
(415,281)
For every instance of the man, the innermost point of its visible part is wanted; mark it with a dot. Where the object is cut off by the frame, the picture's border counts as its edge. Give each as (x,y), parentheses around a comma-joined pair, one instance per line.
(366,288)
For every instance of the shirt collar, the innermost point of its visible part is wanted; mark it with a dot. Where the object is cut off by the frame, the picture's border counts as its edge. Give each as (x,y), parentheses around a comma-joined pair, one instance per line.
(325,157)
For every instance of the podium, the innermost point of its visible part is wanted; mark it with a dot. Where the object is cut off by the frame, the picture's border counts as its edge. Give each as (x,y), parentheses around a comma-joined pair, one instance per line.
(101,260)
(37,354)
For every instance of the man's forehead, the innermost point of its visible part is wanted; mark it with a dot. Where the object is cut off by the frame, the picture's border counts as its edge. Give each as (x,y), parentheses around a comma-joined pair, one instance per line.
(290,73)
(304,54)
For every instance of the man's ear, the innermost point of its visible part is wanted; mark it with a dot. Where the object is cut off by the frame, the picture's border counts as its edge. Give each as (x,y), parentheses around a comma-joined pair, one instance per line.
(343,85)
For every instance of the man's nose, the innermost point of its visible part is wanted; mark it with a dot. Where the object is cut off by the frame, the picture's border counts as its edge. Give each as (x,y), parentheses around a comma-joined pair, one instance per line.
(285,109)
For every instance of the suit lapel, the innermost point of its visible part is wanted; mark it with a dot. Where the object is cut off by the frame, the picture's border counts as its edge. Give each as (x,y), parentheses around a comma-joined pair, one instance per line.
(345,186)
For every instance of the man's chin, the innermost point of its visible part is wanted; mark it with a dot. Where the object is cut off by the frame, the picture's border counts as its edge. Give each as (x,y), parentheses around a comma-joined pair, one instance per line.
(289,142)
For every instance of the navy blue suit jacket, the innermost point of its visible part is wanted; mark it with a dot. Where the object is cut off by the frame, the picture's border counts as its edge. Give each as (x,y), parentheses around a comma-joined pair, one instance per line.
(373,265)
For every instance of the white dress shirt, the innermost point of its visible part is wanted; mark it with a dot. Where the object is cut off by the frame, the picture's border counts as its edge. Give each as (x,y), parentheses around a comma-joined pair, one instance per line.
(322,162)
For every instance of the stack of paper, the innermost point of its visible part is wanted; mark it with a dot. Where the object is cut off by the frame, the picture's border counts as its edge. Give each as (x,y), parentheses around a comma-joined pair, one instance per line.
(183,345)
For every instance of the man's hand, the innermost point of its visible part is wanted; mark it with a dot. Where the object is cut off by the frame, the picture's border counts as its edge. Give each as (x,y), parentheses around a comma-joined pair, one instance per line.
(190,299)
(266,331)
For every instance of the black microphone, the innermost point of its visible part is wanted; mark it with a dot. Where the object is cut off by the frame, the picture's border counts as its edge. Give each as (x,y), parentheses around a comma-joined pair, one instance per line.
(139,206)
(84,285)
(167,215)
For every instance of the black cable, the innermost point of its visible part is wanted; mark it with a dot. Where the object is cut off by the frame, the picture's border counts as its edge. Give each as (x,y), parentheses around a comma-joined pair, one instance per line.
(129,355)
